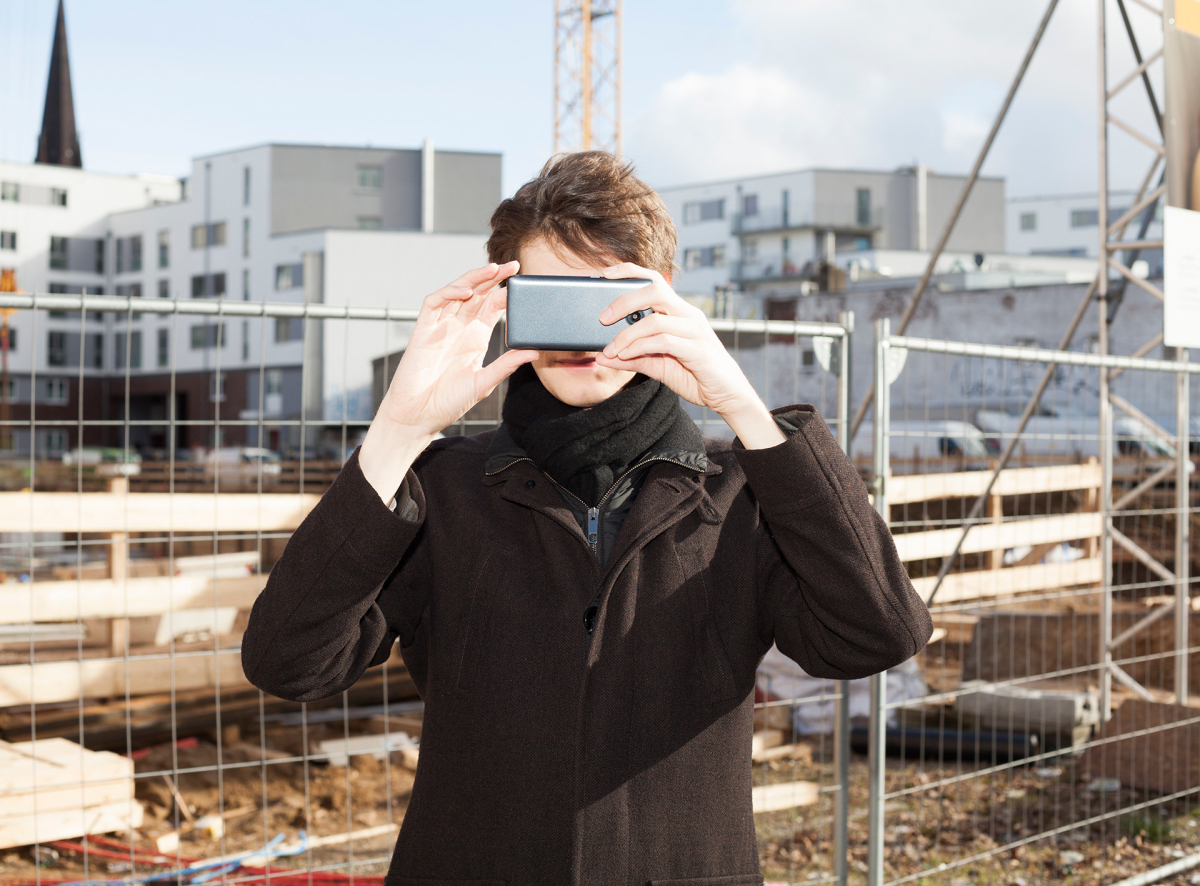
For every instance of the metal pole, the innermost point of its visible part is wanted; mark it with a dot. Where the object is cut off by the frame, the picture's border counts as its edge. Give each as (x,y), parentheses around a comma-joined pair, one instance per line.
(841,750)
(1182,530)
(962,201)
(1105,404)
(877,739)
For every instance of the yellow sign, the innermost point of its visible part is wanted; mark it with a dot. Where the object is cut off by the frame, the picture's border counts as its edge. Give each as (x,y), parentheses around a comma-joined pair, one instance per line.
(1187,16)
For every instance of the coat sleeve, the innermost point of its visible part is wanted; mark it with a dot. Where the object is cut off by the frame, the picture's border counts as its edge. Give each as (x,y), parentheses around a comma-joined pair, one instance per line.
(832,592)
(317,625)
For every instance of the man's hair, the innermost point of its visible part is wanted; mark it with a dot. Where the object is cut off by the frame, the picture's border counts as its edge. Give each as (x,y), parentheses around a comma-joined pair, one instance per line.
(591,204)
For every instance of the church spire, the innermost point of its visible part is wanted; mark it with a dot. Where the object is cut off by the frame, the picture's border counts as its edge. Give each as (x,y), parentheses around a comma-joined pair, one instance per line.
(59,143)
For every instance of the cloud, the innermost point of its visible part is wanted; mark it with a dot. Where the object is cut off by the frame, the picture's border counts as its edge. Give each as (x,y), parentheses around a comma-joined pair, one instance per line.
(881,84)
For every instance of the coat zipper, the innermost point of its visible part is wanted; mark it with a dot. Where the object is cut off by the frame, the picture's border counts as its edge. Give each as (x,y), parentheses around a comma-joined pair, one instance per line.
(593,525)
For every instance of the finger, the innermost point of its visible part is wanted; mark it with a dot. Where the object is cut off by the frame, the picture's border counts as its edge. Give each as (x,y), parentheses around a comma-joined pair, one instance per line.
(658,296)
(447,295)
(487,291)
(628,269)
(487,378)
(681,348)
(652,366)
(652,325)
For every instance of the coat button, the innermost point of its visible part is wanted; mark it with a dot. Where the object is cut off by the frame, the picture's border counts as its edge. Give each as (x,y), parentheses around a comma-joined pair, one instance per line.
(529,484)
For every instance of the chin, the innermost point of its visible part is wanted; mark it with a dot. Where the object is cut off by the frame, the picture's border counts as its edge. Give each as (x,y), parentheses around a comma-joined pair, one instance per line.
(584,389)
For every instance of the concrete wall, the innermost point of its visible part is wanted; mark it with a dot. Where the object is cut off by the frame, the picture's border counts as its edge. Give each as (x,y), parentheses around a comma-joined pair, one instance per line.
(317,187)
(466,189)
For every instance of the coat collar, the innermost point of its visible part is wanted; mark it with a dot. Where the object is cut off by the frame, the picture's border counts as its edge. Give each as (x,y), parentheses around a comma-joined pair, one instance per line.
(503,452)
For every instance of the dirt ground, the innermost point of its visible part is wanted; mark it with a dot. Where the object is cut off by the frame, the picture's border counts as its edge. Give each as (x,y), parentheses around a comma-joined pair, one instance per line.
(949,835)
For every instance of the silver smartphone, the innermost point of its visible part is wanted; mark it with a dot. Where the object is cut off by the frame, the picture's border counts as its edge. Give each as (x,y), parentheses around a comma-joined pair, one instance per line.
(563,313)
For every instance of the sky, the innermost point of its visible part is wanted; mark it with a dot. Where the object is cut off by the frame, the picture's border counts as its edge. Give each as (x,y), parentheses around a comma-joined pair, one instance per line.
(712,89)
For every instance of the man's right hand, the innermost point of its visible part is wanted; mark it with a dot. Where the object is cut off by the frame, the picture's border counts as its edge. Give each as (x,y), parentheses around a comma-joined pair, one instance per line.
(441,374)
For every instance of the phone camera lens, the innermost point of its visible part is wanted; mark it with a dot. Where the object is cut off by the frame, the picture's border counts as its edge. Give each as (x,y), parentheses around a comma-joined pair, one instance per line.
(635,316)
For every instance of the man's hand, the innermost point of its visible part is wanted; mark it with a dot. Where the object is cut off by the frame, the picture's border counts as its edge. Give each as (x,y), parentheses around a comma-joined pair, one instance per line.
(441,374)
(677,346)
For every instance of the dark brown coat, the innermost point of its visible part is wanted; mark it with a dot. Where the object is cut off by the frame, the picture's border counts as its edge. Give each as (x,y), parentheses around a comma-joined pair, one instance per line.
(551,758)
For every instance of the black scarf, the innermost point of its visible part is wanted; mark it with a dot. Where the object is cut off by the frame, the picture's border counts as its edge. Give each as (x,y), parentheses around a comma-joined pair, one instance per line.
(587,450)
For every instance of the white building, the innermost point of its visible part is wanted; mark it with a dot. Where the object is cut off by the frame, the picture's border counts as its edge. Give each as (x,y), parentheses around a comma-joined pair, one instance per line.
(1067,224)
(278,223)
(757,234)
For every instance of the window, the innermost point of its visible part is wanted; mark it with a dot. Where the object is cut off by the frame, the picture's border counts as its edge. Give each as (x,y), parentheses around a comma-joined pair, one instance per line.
(706,210)
(1085,218)
(289,328)
(164,249)
(134,348)
(245,185)
(245,237)
(273,383)
(289,276)
(164,288)
(213,396)
(370,223)
(58,253)
(12,338)
(58,197)
(1028,221)
(862,207)
(54,441)
(129,254)
(862,244)
(208,335)
(245,339)
(164,347)
(99,257)
(10,191)
(212,234)
(750,250)
(8,239)
(750,204)
(370,178)
(808,359)
(208,285)
(94,356)
(704,257)
(245,284)
(55,390)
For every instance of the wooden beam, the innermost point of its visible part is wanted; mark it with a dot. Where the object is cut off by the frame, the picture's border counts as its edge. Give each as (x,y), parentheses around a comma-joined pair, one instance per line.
(56,601)
(937,543)
(1014,580)
(157,512)
(59,681)
(68,824)
(773,797)
(970,484)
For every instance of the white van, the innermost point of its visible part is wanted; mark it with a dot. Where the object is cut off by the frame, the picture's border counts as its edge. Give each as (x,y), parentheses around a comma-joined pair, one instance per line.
(1074,436)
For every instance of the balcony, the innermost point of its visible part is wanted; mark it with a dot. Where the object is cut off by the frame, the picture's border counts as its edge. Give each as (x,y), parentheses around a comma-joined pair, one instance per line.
(840,217)
(765,269)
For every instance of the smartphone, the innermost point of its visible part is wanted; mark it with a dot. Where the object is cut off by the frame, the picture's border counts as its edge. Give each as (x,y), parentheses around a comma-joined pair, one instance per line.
(563,313)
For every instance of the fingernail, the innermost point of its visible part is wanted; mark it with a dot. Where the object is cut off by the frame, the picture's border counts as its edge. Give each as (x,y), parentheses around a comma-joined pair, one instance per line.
(608,351)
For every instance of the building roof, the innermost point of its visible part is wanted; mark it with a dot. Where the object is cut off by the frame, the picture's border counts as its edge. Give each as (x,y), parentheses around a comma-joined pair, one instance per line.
(58,143)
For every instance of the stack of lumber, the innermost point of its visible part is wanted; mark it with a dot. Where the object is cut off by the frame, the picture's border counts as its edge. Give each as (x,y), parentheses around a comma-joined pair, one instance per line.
(53,789)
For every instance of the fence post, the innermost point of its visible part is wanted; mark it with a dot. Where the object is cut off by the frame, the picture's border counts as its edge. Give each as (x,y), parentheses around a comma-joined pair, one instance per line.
(877,741)
(1183,484)
(841,818)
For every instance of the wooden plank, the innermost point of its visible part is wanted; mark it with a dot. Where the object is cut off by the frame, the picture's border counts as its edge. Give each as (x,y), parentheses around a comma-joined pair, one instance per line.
(56,762)
(970,484)
(156,512)
(55,601)
(763,739)
(86,794)
(788,795)
(59,681)
(1014,580)
(68,824)
(990,536)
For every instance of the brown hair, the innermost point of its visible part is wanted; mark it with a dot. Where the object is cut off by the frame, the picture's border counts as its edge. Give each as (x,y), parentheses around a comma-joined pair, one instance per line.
(591,204)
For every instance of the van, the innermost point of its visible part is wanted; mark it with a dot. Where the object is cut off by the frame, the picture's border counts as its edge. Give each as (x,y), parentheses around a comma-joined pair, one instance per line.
(109,461)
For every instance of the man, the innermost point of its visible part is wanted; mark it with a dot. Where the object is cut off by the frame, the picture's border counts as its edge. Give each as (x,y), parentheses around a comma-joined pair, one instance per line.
(583,595)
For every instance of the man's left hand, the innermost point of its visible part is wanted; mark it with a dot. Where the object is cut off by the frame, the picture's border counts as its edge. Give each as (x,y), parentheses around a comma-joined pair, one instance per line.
(677,346)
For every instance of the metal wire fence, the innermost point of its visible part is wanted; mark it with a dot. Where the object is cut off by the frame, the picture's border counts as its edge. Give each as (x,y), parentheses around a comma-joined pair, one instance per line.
(1060,731)
(145,494)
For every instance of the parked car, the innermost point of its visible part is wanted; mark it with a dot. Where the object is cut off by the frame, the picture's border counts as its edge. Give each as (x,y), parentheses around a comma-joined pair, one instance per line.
(246,461)
(1072,435)
(105,460)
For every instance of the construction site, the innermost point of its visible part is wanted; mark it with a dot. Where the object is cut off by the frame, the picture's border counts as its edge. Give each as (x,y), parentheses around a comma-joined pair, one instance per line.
(1048,732)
